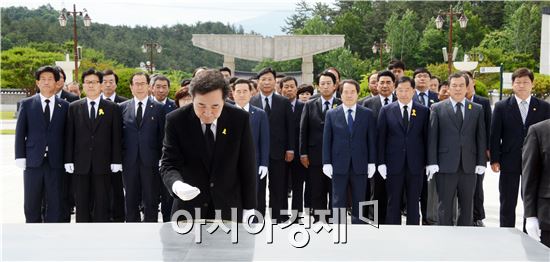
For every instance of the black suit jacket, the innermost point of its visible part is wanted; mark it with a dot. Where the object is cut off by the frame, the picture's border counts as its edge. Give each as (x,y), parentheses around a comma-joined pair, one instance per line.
(374,104)
(229,181)
(281,125)
(68,96)
(297,115)
(536,174)
(508,131)
(93,146)
(120,99)
(486,104)
(312,125)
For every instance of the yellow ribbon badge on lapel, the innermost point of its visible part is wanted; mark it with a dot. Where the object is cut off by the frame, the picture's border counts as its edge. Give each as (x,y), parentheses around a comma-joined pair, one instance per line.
(413,112)
(469,106)
(224,131)
(101,112)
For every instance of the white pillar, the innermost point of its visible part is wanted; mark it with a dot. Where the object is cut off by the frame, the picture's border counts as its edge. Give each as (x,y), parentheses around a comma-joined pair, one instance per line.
(545,42)
(68,67)
(307,70)
(229,61)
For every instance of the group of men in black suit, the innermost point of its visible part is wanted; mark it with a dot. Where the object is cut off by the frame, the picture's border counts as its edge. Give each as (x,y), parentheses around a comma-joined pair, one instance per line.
(109,149)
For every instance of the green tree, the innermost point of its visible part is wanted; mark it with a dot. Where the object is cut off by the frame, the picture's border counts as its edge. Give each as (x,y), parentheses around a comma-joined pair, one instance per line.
(402,36)
(19,65)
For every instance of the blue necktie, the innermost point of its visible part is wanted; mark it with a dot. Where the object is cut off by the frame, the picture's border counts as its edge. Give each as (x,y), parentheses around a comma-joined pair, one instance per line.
(350,121)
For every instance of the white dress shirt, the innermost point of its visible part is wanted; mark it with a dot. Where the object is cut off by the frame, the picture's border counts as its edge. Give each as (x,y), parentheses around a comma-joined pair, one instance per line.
(112,97)
(528,100)
(462,108)
(162,102)
(353,109)
(426,97)
(212,127)
(409,108)
(382,98)
(143,105)
(52,104)
(246,107)
(96,106)
(329,101)
(269,98)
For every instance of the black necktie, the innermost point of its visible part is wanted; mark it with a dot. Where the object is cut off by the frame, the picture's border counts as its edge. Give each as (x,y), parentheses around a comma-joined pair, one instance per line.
(139,115)
(458,114)
(47,112)
(350,121)
(209,138)
(422,100)
(386,101)
(267,108)
(92,111)
(327,105)
(405,117)
(108,99)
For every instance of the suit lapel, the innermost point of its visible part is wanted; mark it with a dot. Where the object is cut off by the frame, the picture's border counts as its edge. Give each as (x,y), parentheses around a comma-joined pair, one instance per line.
(396,110)
(514,108)
(56,108)
(196,131)
(132,112)
(99,114)
(38,109)
(319,107)
(221,140)
(356,120)
(85,113)
(412,117)
(467,115)
(148,108)
(450,111)
(532,110)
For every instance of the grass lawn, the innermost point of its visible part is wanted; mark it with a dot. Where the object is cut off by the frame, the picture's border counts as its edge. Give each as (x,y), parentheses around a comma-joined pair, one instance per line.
(7,115)
(7,132)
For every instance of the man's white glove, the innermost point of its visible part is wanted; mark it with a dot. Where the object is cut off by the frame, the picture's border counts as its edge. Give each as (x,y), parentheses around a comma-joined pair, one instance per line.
(21,163)
(184,191)
(371,169)
(160,162)
(480,170)
(247,213)
(382,171)
(532,228)
(431,170)
(327,170)
(262,171)
(116,168)
(69,168)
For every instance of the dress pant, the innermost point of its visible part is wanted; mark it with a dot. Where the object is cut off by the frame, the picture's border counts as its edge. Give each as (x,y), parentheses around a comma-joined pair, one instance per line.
(357,184)
(321,190)
(116,208)
(397,185)
(424,195)
(545,237)
(261,194)
(508,186)
(68,197)
(461,184)
(378,192)
(431,204)
(278,190)
(298,177)
(479,210)
(91,194)
(43,185)
(141,184)
(166,201)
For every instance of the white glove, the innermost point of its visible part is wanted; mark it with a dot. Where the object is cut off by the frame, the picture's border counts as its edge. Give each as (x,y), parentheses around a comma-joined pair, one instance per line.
(262,171)
(532,228)
(69,168)
(371,169)
(247,213)
(160,162)
(431,170)
(116,168)
(184,191)
(382,171)
(327,170)
(21,163)
(480,170)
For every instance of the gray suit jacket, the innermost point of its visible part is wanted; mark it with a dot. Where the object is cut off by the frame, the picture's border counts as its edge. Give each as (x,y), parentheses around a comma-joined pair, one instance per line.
(447,145)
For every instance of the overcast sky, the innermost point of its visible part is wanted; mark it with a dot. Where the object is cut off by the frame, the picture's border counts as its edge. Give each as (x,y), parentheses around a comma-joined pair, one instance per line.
(251,14)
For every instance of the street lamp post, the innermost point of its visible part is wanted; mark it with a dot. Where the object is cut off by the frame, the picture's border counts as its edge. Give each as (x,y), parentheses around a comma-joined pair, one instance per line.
(151,46)
(63,22)
(380,46)
(463,20)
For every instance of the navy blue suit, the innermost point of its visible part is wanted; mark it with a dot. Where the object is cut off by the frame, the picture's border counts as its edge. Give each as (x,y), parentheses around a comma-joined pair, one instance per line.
(403,150)
(259,124)
(297,172)
(349,154)
(142,147)
(166,200)
(507,137)
(42,174)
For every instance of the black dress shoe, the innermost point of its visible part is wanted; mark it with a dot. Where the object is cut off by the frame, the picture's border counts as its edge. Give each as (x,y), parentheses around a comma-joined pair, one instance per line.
(479,223)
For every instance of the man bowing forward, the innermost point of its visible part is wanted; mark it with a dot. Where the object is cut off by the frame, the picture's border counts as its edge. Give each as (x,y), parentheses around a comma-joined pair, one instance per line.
(208,159)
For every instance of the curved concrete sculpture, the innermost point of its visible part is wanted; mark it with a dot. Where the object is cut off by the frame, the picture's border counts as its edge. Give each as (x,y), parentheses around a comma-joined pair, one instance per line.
(278,48)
